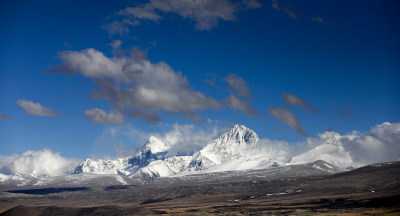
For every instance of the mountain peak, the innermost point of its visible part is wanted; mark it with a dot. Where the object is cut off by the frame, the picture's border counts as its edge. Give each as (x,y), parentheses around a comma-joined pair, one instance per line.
(154,145)
(240,134)
(236,138)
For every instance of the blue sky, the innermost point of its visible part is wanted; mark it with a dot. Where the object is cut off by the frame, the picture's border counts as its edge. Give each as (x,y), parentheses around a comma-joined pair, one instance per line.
(225,63)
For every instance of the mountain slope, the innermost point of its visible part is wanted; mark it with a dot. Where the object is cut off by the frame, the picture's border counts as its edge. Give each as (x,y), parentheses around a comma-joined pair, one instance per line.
(229,145)
(331,151)
(153,150)
(238,149)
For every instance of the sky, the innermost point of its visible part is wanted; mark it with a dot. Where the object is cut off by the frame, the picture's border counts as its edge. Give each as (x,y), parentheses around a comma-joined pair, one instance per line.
(96,78)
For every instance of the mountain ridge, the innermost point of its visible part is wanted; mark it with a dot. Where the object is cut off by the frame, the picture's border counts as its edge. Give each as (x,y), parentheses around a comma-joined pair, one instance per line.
(238,149)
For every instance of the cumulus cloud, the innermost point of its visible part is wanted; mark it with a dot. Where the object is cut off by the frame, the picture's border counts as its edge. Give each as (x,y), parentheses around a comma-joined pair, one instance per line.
(205,13)
(238,84)
(5,117)
(37,163)
(380,144)
(287,117)
(33,108)
(294,100)
(100,116)
(235,103)
(135,85)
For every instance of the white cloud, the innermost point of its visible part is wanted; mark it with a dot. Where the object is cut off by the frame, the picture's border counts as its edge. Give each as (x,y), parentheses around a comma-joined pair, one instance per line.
(100,116)
(92,63)
(278,149)
(185,139)
(205,13)
(37,163)
(381,143)
(135,85)
(179,139)
(286,116)
(33,108)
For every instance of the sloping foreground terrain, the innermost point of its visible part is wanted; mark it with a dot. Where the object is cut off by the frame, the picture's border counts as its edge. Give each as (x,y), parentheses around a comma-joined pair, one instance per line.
(373,190)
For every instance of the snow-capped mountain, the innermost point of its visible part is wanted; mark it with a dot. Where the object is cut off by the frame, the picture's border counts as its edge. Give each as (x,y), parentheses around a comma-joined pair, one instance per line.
(153,150)
(229,145)
(238,149)
(235,149)
(331,151)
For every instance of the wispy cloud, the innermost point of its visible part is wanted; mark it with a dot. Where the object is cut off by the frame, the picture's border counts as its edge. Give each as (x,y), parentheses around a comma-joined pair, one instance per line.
(37,109)
(100,116)
(238,84)
(181,139)
(5,117)
(211,79)
(287,117)
(346,112)
(185,139)
(275,5)
(235,103)
(206,14)
(288,10)
(319,20)
(241,97)
(291,14)
(136,86)
(120,27)
(116,44)
(294,100)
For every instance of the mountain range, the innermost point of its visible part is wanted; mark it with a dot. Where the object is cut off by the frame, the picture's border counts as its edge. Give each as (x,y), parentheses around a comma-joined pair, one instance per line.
(238,149)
